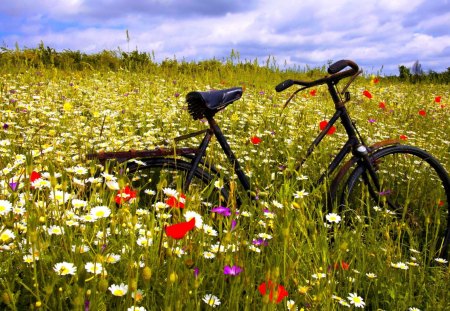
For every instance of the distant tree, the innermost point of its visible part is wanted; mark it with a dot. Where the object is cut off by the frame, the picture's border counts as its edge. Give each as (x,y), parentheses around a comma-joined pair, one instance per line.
(416,69)
(404,72)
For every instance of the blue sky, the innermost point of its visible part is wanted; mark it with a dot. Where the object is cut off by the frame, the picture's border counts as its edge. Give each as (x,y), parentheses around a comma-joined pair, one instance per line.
(378,35)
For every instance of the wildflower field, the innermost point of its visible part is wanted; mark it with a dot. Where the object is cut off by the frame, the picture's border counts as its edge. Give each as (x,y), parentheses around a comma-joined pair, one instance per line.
(76,235)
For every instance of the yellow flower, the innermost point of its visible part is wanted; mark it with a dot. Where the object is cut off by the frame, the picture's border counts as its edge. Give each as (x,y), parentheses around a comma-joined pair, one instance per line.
(303,289)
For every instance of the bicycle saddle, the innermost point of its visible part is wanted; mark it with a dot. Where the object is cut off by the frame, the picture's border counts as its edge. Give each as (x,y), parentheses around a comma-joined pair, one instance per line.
(207,104)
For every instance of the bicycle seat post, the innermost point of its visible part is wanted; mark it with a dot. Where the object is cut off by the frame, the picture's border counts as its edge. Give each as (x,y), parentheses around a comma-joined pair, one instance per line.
(228,152)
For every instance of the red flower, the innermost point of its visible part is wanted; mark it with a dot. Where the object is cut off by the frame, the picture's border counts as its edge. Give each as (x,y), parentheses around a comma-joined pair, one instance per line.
(324,124)
(422,112)
(375,80)
(403,137)
(437,99)
(343,265)
(125,195)
(255,140)
(34,176)
(178,231)
(313,92)
(382,105)
(441,203)
(281,291)
(176,202)
(367,94)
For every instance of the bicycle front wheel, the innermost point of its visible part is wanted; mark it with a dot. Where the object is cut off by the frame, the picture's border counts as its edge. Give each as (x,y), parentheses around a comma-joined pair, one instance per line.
(163,180)
(411,205)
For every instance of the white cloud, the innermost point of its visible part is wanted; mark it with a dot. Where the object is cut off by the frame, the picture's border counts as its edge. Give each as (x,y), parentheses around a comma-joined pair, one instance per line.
(374,33)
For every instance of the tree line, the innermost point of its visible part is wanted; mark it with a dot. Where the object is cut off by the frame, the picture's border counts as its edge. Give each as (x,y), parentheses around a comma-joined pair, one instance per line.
(44,56)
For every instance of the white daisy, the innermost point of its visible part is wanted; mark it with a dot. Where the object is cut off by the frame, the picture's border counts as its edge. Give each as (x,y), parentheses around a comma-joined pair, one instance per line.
(211,300)
(59,196)
(55,230)
(300,194)
(198,218)
(65,268)
(118,290)
(100,211)
(440,260)
(5,207)
(76,203)
(95,268)
(333,217)
(112,258)
(356,300)
(144,241)
(400,265)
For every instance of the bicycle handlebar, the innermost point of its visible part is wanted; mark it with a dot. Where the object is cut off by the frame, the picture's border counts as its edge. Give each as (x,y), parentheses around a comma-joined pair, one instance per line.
(334,70)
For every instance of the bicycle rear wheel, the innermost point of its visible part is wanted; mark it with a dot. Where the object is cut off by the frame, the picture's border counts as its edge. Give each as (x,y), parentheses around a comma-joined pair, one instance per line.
(412,205)
(159,179)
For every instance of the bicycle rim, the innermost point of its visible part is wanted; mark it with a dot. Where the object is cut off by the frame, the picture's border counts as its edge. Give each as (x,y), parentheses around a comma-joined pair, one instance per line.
(162,180)
(412,207)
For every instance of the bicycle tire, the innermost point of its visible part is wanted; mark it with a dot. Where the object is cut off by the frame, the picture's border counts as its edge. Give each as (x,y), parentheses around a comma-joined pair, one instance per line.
(414,186)
(156,175)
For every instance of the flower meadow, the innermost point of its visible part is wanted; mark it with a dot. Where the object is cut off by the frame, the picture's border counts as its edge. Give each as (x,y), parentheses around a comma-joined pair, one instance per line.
(76,235)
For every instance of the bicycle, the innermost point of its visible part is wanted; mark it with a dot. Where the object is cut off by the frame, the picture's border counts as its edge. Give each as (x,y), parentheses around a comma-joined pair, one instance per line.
(386,175)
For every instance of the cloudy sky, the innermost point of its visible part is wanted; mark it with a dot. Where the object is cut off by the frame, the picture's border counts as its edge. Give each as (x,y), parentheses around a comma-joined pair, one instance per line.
(375,33)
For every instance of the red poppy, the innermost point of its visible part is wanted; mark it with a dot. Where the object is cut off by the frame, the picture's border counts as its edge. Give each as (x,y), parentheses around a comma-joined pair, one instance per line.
(382,105)
(34,176)
(179,230)
(313,92)
(343,265)
(422,112)
(125,195)
(375,80)
(324,124)
(255,140)
(437,99)
(441,203)
(367,94)
(176,202)
(403,137)
(281,291)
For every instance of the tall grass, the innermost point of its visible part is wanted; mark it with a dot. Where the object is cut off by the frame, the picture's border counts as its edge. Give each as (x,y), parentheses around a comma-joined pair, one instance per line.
(52,118)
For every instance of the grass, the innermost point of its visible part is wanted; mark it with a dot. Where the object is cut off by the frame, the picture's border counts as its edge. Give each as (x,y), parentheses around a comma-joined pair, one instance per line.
(52,119)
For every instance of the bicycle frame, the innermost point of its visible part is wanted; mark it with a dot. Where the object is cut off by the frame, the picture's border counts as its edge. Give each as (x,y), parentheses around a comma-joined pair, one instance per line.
(196,155)
(351,146)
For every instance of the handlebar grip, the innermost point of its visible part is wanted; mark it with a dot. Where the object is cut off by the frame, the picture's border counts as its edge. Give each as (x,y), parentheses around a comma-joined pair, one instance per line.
(341,64)
(284,85)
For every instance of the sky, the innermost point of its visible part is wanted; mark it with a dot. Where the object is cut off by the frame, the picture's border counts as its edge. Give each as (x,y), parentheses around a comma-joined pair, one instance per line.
(379,35)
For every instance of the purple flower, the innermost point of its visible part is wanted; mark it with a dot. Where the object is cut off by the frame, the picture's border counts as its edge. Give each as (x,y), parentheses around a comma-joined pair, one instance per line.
(196,272)
(13,185)
(233,224)
(259,242)
(234,270)
(386,192)
(177,94)
(5,126)
(222,210)
(371,120)
(86,305)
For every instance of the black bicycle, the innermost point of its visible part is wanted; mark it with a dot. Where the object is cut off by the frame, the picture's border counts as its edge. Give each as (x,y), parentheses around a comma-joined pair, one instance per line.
(404,182)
